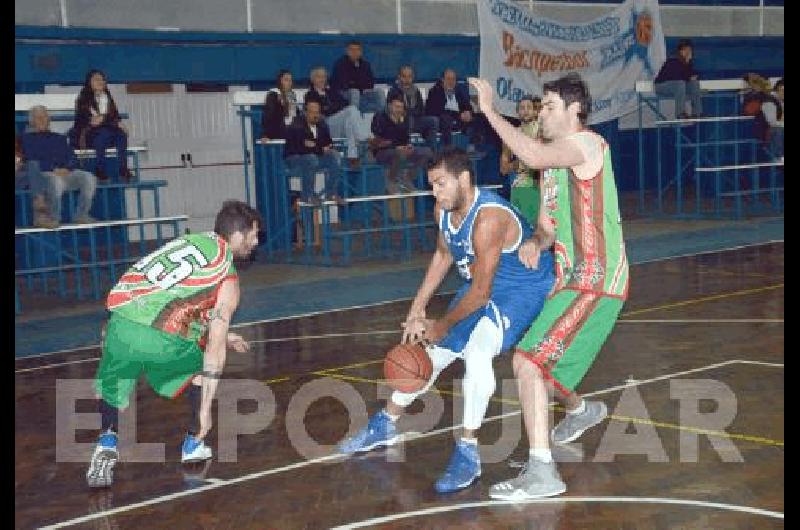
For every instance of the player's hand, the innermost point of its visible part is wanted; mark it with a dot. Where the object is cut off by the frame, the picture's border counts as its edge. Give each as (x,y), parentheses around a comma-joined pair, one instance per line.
(485,93)
(529,254)
(413,330)
(434,330)
(237,343)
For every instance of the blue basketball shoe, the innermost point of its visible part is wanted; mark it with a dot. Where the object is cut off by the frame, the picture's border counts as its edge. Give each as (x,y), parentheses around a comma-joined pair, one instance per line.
(462,470)
(194,450)
(101,468)
(379,431)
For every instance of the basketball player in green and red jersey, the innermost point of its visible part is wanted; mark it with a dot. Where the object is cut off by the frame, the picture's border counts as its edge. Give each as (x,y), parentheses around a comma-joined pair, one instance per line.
(579,217)
(169,319)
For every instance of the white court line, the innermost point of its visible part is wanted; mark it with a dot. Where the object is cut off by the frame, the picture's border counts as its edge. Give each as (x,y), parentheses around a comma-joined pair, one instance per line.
(558,500)
(305,463)
(397,331)
(374,304)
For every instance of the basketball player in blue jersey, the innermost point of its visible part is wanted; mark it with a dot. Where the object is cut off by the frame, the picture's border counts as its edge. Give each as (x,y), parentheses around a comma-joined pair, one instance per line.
(481,233)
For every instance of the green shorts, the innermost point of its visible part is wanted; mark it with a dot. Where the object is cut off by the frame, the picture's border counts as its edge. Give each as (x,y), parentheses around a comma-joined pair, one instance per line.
(168,361)
(527,200)
(567,335)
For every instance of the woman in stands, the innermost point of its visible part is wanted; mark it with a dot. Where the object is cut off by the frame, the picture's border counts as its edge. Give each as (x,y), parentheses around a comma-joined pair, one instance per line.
(280,108)
(97,124)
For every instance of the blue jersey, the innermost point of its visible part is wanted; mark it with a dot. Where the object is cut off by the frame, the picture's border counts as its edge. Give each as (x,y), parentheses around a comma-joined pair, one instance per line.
(510,273)
(518,293)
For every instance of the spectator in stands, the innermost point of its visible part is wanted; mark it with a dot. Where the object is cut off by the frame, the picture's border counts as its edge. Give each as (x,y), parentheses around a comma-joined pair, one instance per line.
(419,122)
(678,79)
(352,77)
(450,102)
(98,124)
(524,181)
(343,119)
(392,148)
(309,149)
(58,164)
(772,111)
(28,175)
(280,108)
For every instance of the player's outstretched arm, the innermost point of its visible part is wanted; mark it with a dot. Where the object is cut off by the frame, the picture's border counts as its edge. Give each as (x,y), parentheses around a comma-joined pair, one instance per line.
(440,263)
(535,153)
(214,358)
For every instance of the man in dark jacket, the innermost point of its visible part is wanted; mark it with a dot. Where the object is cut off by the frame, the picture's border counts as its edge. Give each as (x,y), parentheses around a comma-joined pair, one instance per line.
(678,78)
(343,119)
(309,149)
(405,88)
(392,147)
(450,103)
(352,78)
(57,163)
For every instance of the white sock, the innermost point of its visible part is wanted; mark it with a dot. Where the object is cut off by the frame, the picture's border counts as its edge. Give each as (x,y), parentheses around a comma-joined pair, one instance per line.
(473,441)
(541,454)
(580,409)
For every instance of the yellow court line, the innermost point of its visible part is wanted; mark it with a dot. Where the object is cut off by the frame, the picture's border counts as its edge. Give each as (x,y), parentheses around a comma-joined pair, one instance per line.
(704,299)
(627,419)
(326,371)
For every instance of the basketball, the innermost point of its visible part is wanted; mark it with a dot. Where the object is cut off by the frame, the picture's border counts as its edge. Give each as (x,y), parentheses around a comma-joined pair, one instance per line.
(407,367)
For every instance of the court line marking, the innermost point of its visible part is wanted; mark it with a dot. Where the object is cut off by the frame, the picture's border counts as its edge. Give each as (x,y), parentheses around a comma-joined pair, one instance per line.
(625,419)
(305,463)
(690,301)
(364,306)
(558,500)
(390,332)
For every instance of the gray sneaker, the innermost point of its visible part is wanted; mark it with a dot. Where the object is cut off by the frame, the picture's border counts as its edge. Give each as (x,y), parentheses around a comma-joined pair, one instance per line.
(537,479)
(573,425)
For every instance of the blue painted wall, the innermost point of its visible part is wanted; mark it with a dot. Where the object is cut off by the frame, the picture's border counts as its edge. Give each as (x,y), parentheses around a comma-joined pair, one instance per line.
(52,55)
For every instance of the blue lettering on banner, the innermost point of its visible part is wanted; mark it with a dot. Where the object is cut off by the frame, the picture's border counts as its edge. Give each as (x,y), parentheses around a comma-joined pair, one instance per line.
(515,16)
(616,50)
(506,90)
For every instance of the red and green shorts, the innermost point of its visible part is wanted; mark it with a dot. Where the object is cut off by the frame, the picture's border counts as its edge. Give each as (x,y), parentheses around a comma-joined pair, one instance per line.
(129,349)
(567,335)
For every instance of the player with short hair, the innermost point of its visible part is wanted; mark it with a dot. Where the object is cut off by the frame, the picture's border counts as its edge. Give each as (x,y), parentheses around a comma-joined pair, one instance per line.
(170,314)
(579,218)
(481,233)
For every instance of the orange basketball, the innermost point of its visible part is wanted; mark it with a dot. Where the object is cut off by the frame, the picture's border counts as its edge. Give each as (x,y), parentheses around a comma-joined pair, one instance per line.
(407,367)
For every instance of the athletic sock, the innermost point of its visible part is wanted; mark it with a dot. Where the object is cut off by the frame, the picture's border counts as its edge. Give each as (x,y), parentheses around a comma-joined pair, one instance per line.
(541,454)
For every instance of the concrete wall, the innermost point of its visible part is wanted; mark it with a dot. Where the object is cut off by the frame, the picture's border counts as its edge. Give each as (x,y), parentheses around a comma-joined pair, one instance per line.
(699,18)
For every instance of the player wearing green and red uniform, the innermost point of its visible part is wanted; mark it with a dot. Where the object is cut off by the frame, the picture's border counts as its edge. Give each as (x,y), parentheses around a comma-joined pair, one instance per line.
(169,320)
(579,218)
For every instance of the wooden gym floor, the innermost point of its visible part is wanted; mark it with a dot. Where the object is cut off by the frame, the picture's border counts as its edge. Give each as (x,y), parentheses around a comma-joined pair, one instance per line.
(692,325)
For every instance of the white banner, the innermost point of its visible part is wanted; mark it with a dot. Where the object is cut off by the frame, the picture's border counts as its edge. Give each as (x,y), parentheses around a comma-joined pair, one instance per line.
(521,51)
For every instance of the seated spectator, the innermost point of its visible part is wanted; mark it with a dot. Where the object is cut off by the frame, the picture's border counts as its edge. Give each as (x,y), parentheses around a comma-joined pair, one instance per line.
(404,87)
(392,148)
(58,164)
(98,125)
(280,108)
(352,78)
(27,175)
(767,111)
(309,149)
(678,79)
(772,111)
(524,181)
(450,102)
(343,119)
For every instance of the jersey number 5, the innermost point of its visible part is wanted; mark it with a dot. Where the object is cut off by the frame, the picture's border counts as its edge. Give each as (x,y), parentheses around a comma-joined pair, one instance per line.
(183,270)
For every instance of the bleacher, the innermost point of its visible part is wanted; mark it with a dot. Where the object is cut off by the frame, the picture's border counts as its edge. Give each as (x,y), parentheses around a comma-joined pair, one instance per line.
(64,259)
(367,211)
(719,145)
